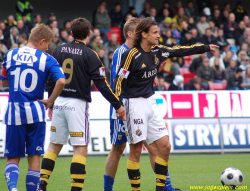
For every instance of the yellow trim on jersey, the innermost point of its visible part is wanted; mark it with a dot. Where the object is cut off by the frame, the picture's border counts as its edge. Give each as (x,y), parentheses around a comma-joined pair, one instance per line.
(105,78)
(128,60)
(186,47)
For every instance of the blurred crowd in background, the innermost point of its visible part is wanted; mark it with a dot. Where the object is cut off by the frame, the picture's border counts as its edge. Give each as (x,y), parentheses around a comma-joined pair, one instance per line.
(180,25)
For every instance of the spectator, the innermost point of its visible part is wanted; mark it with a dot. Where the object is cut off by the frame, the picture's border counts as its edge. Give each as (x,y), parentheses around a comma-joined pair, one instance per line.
(239,12)
(97,44)
(27,24)
(103,57)
(193,84)
(23,8)
(96,32)
(173,64)
(4,40)
(230,26)
(213,28)
(177,84)
(166,38)
(2,54)
(152,13)
(21,28)
(161,86)
(52,17)
(14,35)
(22,40)
(132,12)
(245,63)
(6,32)
(196,63)
(224,17)
(67,26)
(241,56)
(178,5)
(56,41)
(221,40)
(231,69)
(179,18)
(116,15)
(190,10)
(102,21)
(10,22)
(166,25)
(53,24)
(175,31)
(146,11)
(235,81)
(228,57)
(216,17)
(112,44)
(205,72)
(195,36)
(102,3)
(185,27)
(246,21)
(244,47)
(37,20)
(216,54)
(202,25)
(245,35)
(165,14)
(246,78)
(166,5)
(187,39)
(201,4)
(207,12)
(239,32)
(219,73)
(208,38)
(191,23)
(63,36)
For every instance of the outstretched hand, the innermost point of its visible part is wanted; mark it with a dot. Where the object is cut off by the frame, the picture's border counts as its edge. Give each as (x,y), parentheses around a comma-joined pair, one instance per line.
(213,47)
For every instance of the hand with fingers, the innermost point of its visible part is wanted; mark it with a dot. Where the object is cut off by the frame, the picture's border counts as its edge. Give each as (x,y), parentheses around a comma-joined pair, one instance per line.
(46,102)
(213,47)
(121,113)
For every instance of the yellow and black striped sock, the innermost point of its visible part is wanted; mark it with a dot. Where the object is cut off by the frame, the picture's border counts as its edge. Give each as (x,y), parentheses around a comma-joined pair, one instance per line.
(48,164)
(77,171)
(161,170)
(134,175)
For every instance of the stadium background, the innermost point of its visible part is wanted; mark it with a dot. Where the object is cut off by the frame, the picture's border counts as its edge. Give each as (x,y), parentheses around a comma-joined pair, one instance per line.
(75,8)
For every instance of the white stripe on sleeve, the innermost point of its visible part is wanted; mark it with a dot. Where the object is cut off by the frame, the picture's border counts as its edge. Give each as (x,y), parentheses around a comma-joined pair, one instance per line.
(39,111)
(28,111)
(42,62)
(17,114)
(8,61)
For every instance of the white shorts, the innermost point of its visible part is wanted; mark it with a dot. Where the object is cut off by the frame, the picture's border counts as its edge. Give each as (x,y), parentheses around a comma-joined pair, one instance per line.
(143,120)
(70,119)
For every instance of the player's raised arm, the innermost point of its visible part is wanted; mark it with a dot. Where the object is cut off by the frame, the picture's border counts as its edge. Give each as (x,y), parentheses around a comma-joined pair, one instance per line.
(178,51)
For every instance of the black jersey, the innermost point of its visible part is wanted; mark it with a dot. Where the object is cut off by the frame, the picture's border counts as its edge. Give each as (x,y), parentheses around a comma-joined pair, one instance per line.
(81,65)
(138,68)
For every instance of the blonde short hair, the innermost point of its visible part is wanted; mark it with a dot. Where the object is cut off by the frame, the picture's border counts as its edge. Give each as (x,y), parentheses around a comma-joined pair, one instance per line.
(41,32)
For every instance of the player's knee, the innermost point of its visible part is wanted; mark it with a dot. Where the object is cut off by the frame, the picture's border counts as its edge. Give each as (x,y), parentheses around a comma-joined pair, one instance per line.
(166,148)
(119,149)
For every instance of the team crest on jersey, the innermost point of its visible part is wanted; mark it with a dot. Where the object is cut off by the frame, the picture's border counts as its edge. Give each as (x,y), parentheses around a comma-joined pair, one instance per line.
(102,71)
(123,73)
(143,65)
(120,137)
(53,128)
(156,60)
(138,132)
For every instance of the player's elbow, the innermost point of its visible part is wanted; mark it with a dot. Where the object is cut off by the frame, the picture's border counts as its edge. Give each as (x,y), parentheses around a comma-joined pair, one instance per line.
(61,82)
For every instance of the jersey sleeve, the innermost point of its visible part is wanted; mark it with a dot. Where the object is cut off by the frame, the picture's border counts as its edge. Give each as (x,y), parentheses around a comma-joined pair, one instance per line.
(4,74)
(179,51)
(55,70)
(124,71)
(97,73)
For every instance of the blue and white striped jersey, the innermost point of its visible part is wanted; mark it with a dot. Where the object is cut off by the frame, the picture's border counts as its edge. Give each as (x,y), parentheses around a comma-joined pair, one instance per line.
(116,61)
(27,72)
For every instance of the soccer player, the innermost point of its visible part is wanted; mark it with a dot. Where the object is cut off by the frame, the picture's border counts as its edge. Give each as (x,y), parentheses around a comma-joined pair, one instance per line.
(25,71)
(139,66)
(71,108)
(117,127)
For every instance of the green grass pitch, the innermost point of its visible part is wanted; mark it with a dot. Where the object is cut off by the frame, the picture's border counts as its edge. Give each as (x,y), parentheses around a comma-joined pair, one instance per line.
(185,170)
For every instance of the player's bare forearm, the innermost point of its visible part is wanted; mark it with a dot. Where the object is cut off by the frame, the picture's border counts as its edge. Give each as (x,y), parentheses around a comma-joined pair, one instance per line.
(60,83)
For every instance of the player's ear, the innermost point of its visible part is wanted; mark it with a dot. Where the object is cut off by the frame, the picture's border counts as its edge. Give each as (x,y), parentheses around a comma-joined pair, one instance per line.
(143,34)
(89,33)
